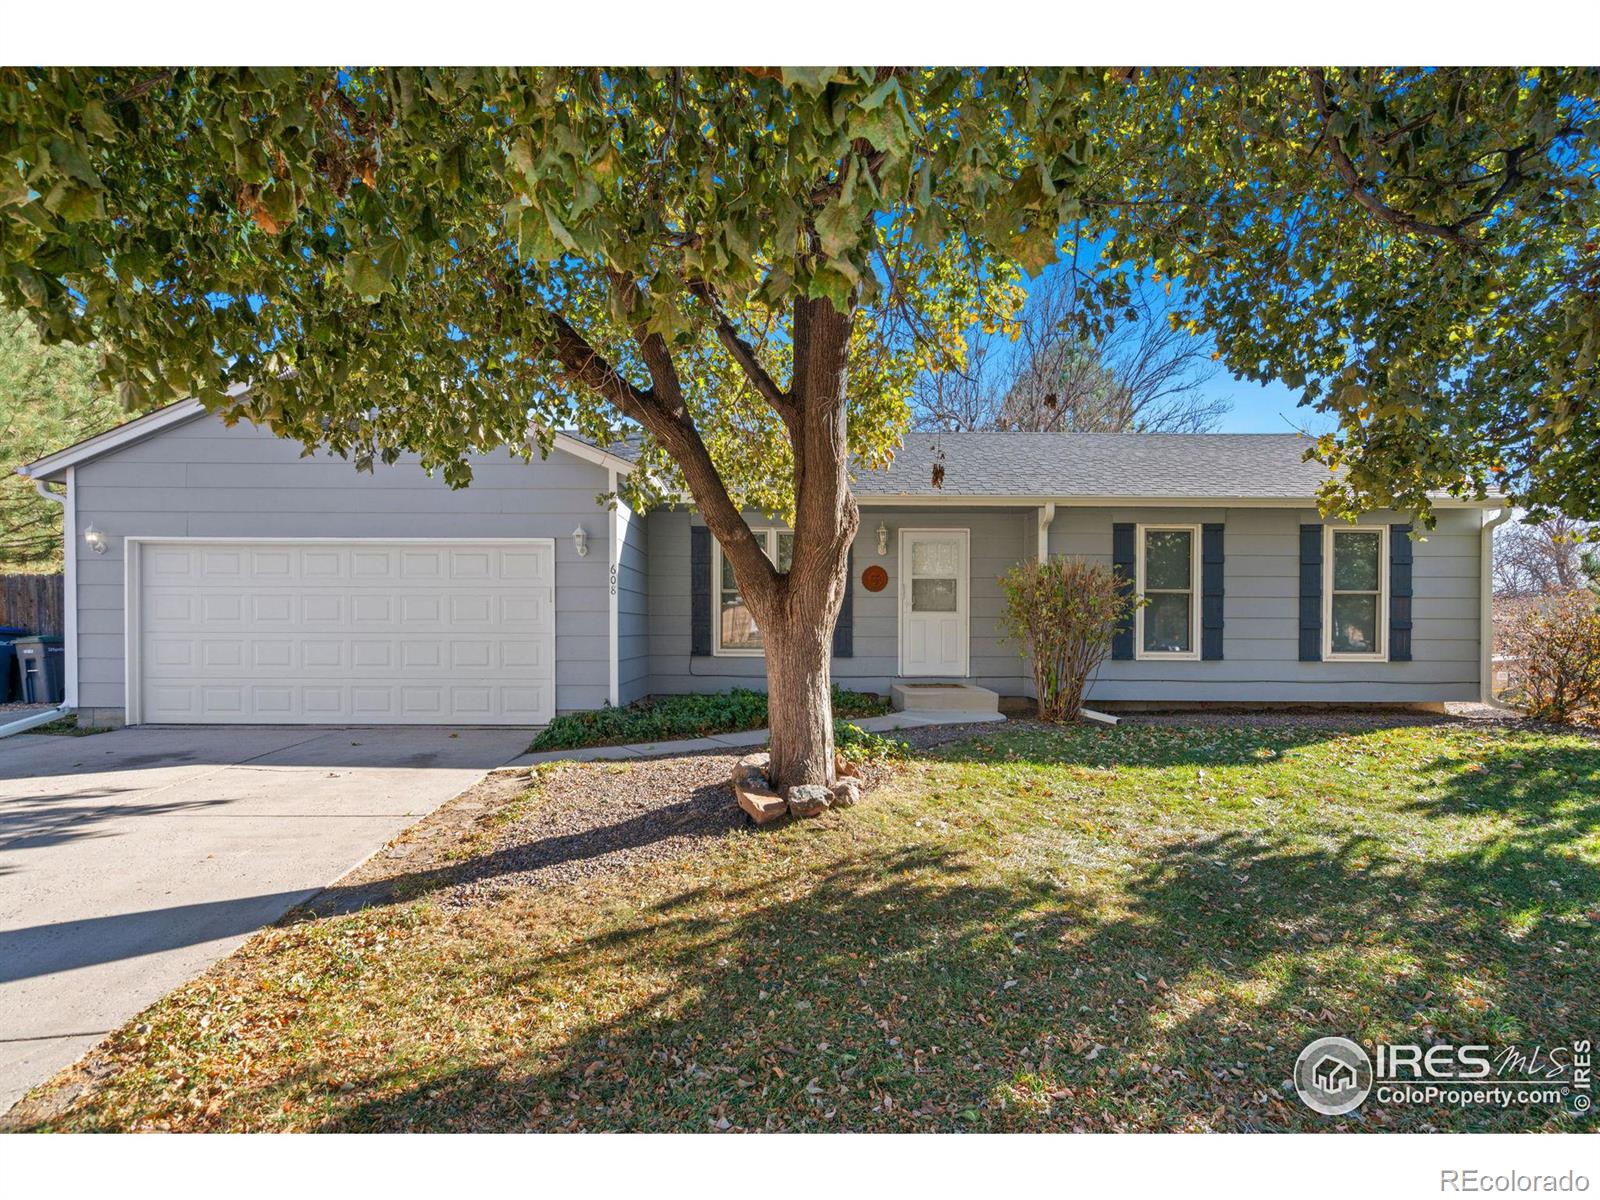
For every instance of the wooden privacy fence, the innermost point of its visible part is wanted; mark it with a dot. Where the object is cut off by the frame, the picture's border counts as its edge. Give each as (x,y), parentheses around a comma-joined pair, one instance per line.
(32,601)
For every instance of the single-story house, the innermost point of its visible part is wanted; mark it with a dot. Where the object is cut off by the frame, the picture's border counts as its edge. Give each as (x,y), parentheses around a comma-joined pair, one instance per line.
(218,574)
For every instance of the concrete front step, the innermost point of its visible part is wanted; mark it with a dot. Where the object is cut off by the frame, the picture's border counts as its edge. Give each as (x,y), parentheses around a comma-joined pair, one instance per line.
(943,697)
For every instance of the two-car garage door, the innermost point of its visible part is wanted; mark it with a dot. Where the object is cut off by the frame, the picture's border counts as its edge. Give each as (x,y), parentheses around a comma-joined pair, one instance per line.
(330,631)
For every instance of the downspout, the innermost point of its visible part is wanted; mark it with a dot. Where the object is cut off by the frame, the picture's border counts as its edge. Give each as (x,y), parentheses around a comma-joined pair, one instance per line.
(34,720)
(613,618)
(1486,610)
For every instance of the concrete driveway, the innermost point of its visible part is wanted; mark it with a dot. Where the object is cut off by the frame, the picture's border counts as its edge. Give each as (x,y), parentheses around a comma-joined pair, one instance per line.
(131,861)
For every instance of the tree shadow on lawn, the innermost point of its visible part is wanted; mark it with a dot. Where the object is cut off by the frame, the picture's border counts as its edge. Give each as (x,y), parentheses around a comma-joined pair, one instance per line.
(706,814)
(925,990)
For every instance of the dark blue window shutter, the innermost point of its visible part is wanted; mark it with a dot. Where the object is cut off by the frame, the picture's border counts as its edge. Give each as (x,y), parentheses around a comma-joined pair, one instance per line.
(844,640)
(1400,593)
(1122,543)
(1211,560)
(699,590)
(1311,593)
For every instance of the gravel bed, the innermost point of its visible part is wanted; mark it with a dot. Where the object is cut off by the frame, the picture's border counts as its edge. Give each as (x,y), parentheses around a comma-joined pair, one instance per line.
(589,819)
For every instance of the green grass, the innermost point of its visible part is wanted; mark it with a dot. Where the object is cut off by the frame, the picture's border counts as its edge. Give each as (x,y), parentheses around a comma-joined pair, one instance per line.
(660,718)
(1105,929)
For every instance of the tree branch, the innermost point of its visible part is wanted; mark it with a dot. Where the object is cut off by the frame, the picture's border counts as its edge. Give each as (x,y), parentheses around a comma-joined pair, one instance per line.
(668,420)
(743,353)
(585,365)
(1362,195)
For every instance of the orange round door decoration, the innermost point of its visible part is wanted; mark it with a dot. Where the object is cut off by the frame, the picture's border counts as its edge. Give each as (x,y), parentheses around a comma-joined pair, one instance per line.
(874,578)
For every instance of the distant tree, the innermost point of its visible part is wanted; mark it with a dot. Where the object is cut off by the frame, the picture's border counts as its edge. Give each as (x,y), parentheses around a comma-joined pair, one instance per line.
(1142,374)
(48,399)
(1555,556)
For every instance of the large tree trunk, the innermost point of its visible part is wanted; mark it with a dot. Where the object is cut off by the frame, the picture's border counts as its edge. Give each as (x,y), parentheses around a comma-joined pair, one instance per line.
(796,611)
(799,703)
(799,629)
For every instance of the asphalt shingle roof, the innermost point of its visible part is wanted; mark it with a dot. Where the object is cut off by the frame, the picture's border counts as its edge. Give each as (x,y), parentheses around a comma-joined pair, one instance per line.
(1264,466)
(1221,465)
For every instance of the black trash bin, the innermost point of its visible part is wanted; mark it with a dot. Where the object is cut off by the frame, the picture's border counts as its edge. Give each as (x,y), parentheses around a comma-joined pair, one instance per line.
(10,681)
(43,662)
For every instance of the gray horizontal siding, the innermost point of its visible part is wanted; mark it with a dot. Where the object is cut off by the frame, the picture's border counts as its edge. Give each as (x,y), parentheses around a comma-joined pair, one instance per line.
(998,536)
(1261,620)
(203,479)
(1260,638)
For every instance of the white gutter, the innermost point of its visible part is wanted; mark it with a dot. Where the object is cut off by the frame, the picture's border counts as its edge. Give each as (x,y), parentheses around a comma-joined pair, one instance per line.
(1486,609)
(1034,500)
(34,720)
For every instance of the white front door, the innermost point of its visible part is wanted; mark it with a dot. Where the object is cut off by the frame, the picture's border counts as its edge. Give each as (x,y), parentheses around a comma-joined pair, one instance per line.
(933,602)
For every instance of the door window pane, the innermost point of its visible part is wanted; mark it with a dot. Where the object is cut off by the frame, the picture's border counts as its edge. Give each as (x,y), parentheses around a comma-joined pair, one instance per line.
(1355,561)
(1166,623)
(933,595)
(1168,555)
(933,558)
(1355,623)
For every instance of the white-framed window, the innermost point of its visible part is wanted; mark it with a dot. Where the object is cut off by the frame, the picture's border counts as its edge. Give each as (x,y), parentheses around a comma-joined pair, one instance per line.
(1355,592)
(734,631)
(1167,580)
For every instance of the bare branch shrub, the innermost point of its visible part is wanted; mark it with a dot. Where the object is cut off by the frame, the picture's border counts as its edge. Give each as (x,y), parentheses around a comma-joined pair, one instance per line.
(1556,642)
(1062,614)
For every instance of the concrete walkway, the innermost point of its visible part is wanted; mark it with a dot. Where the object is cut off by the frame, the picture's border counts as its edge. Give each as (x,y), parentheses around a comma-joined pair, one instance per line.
(750,737)
(132,861)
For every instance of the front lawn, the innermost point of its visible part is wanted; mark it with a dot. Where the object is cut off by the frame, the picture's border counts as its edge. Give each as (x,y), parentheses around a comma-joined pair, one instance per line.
(1099,929)
(698,714)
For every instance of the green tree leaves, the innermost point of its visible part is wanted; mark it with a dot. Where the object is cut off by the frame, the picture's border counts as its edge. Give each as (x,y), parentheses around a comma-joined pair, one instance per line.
(383,254)
(1416,249)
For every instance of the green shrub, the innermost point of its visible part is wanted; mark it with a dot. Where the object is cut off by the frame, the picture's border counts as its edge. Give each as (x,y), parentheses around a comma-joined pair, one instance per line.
(660,718)
(856,745)
(1062,614)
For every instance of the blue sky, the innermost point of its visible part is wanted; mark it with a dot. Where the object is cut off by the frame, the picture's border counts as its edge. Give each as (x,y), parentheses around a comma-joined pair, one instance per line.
(1254,407)
(1269,408)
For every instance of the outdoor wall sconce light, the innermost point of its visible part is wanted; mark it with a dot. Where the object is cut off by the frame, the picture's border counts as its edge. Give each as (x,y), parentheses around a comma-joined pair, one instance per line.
(95,540)
(883,539)
(580,542)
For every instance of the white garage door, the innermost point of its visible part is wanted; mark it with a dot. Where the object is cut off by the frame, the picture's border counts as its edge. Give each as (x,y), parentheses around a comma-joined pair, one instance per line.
(335,632)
